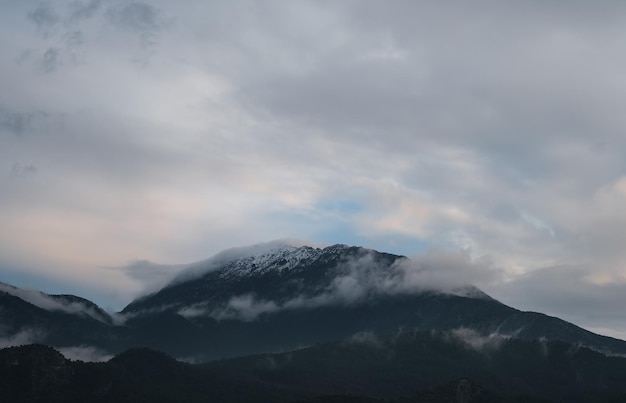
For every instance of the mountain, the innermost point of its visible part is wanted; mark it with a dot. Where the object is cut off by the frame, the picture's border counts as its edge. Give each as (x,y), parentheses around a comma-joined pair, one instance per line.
(276,297)
(292,323)
(29,316)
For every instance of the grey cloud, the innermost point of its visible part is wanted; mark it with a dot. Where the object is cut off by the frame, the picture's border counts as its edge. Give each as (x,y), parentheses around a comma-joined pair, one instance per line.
(362,278)
(449,272)
(244,307)
(477,341)
(452,124)
(50,303)
(569,292)
(23,337)
(518,106)
(74,42)
(45,17)
(84,353)
(148,48)
(77,25)
(83,10)
(51,60)
(18,169)
(146,21)
(365,338)
(55,58)
(459,85)
(20,123)
(152,276)
(137,17)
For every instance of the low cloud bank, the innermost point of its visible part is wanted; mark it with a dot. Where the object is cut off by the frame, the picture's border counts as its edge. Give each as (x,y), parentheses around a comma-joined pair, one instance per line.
(85,354)
(53,303)
(365,277)
(152,276)
(365,338)
(477,341)
(23,337)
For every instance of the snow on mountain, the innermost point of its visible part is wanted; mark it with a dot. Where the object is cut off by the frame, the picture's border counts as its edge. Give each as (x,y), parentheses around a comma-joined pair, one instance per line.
(281,295)
(255,259)
(245,283)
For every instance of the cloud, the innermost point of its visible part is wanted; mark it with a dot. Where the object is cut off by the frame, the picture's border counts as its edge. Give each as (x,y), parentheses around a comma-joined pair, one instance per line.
(365,338)
(449,271)
(476,341)
(245,308)
(18,169)
(83,10)
(21,123)
(136,16)
(54,303)
(575,293)
(84,353)
(68,28)
(51,60)
(355,281)
(492,128)
(45,17)
(23,337)
(150,275)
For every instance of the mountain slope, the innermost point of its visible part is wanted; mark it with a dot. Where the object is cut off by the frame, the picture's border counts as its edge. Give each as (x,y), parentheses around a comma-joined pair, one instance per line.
(62,321)
(400,366)
(277,297)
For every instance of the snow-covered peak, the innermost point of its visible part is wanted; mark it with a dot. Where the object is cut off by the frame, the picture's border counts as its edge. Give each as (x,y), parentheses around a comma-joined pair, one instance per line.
(256,259)
(281,246)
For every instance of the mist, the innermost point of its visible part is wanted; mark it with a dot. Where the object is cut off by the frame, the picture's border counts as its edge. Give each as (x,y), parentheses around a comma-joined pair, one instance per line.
(362,278)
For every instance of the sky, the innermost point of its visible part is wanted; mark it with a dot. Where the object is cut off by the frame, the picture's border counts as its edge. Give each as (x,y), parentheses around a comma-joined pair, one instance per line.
(138,135)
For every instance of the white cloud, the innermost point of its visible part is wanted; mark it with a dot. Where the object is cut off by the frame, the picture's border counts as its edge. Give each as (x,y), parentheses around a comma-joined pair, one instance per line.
(167,132)
(51,303)
(358,280)
(477,341)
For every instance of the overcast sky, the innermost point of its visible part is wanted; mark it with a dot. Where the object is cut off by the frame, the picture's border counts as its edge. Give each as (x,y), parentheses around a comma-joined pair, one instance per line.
(164,132)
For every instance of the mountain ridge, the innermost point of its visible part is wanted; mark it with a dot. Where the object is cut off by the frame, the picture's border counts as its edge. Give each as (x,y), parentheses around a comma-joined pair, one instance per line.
(277,297)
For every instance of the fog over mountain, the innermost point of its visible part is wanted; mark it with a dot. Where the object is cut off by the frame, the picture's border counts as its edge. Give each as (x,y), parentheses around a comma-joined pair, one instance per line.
(135,135)
(285,322)
(281,296)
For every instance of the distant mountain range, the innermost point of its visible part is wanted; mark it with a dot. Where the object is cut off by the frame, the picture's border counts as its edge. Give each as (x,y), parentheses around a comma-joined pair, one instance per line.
(337,320)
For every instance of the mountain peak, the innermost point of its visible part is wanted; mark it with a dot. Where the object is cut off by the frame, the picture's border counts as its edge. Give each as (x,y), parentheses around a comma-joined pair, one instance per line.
(257,250)
(256,259)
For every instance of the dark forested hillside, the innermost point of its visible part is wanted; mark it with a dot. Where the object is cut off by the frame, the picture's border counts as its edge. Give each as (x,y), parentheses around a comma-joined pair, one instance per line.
(409,367)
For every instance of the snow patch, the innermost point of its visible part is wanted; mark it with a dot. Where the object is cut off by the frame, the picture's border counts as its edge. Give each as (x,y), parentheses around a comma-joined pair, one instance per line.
(255,259)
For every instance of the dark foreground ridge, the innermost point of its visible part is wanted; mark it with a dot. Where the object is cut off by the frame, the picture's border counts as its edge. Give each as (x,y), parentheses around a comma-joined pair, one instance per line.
(409,367)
